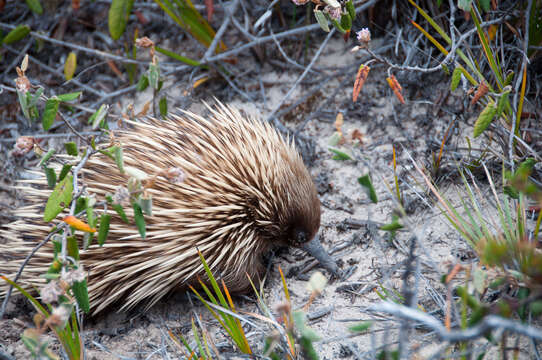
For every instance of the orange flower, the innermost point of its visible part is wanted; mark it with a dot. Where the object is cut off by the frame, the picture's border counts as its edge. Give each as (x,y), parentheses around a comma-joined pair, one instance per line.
(396,87)
(78,224)
(481,91)
(363,72)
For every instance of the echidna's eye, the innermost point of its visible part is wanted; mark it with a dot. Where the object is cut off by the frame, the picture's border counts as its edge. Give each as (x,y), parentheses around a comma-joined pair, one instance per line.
(299,237)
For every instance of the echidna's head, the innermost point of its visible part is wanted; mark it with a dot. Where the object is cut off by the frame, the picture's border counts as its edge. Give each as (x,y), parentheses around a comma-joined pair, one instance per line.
(302,219)
(294,200)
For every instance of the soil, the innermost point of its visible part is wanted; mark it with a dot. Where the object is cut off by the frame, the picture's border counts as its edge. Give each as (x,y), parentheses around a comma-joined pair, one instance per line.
(374,260)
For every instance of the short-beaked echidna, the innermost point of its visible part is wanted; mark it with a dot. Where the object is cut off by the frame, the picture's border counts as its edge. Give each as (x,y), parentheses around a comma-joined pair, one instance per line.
(245,190)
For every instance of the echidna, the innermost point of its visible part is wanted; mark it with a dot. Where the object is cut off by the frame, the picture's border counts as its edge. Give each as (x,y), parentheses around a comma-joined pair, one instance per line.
(245,190)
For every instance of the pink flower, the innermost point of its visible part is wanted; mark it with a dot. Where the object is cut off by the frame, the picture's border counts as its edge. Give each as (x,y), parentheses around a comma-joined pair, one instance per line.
(364,35)
(50,292)
(334,13)
(175,175)
(23,145)
(121,195)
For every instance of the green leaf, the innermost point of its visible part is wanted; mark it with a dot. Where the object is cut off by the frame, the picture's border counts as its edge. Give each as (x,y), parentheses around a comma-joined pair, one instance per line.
(80,204)
(109,152)
(366,182)
(91,220)
(163,106)
(46,157)
(525,168)
(154,75)
(484,119)
(69,96)
(105,220)
(536,308)
(308,349)
(34,99)
(146,205)
(97,118)
(351,9)
(339,155)
(139,219)
(23,101)
(118,208)
(456,77)
(346,21)
(143,83)
(65,170)
(338,26)
(31,102)
(503,101)
(393,226)
(464,5)
(118,16)
(188,18)
(16,34)
(322,20)
(523,293)
(511,192)
(51,177)
(71,148)
(72,247)
(80,291)
(35,6)
(59,198)
(485,5)
(361,327)
(119,158)
(49,114)
(300,324)
(509,78)
(178,57)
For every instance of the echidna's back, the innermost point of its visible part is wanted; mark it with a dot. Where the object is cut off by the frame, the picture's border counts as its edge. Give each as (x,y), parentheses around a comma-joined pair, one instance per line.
(244,189)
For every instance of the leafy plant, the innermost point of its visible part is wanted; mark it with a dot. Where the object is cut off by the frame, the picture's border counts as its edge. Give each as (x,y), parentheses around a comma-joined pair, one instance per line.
(503,242)
(340,16)
(495,93)
(65,293)
(62,321)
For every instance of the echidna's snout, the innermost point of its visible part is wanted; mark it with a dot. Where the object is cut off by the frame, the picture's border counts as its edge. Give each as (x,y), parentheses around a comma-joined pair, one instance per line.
(304,221)
(315,248)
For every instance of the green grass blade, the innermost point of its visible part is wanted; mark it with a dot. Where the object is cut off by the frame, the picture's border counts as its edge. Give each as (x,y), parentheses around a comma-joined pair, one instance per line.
(228,320)
(27,295)
(196,338)
(178,57)
(445,36)
(213,281)
(487,49)
(215,315)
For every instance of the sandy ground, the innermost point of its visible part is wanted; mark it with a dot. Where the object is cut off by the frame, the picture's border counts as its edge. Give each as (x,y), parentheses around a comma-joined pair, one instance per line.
(349,228)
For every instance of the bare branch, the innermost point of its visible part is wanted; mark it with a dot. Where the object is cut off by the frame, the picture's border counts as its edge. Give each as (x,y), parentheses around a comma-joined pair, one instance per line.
(489,323)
